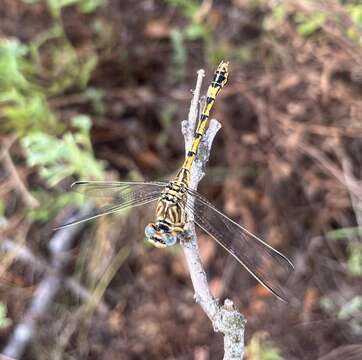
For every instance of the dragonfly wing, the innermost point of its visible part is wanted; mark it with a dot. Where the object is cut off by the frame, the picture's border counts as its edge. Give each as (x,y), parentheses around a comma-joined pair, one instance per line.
(104,189)
(267,265)
(121,196)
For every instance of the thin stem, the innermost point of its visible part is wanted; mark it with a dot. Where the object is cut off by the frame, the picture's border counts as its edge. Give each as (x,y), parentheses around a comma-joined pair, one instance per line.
(226,318)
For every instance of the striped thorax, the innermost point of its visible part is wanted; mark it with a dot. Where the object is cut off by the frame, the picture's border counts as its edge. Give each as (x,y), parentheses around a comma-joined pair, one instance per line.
(170,216)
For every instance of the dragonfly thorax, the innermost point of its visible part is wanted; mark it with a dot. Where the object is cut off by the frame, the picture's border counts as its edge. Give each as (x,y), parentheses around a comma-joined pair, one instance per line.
(170,216)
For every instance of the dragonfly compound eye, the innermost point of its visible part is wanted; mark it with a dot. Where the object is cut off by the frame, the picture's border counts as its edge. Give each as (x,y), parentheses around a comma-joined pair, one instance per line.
(169,239)
(163,227)
(150,230)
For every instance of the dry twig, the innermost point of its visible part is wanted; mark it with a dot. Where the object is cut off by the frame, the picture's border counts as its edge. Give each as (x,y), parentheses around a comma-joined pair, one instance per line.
(23,253)
(226,318)
(19,185)
(43,298)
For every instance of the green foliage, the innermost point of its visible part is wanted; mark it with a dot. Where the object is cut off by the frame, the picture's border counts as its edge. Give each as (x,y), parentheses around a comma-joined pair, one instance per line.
(4,320)
(52,204)
(260,348)
(55,6)
(11,65)
(89,6)
(95,96)
(350,308)
(347,311)
(187,7)
(167,116)
(23,103)
(344,233)
(279,12)
(309,24)
(355,12)
(66,69)
(194,30)
(276,17)
(25,113)
(56,149)
(3,220)
(354,262)
(23,106)
(245,54)
(197,29)
(179,54)
(355,32)
(71,155)
(2,208)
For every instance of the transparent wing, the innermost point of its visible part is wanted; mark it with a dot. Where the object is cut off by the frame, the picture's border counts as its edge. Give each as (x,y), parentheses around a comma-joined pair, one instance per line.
(267,265)
(113,189)
(119,195)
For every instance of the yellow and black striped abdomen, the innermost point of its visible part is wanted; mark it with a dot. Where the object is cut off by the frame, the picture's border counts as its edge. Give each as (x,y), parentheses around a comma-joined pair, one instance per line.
(218,82)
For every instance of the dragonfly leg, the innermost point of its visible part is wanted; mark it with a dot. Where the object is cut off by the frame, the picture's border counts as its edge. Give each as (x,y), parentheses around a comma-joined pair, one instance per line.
(185,236)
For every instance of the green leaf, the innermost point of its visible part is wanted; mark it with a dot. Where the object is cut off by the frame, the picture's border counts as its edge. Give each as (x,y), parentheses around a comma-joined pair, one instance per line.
(30,1)
(88,6)
(2,207)
(59,158)
(55,6)
(245,54)
(96,96)
(51,205)
(309,24)
(327,305)
(188,7)
(355,12)
(196,31)
(350,308)
(348,311)
(354,262)
(179,54)
(4,321)
(262,349)
(279,12)
(11,64)
(83,122)
(86,70)
(344,233)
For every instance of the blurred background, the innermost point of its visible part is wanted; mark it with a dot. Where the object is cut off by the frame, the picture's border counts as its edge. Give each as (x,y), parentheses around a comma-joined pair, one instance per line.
(97,89)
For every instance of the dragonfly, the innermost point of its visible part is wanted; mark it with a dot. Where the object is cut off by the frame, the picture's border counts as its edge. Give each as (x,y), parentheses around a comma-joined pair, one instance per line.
(267,265)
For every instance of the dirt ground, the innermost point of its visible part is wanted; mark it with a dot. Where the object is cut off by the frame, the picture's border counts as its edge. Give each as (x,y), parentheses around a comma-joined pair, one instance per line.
(286,164)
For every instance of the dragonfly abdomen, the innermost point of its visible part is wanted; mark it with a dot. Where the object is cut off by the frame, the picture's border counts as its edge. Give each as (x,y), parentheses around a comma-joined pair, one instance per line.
(218,82)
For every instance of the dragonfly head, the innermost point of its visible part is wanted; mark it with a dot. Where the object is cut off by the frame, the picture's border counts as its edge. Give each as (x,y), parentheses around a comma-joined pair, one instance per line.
(160,234)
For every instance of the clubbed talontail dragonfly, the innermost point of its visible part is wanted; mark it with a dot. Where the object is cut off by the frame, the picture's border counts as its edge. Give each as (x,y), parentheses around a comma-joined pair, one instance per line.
(267,265)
